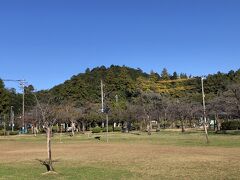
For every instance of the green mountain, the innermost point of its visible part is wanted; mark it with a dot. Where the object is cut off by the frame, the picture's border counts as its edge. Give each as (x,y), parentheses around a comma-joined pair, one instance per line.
(128,83)
(125,82)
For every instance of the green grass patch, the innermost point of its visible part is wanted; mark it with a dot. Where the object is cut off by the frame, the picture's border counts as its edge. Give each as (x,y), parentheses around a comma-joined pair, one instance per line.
(24,171)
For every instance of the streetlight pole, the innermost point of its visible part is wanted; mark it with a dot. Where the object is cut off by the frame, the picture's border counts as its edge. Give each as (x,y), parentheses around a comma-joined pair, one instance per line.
(204,111)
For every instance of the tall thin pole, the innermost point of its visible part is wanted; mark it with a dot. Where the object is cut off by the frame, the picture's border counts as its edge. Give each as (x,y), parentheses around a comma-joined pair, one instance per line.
(12,118)
(107,125)
(23,106)
(204,111)
(4,124)
(104,110)
(102,96)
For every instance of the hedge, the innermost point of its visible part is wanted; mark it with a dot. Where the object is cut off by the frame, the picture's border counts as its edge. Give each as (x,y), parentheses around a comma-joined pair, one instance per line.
(231,125)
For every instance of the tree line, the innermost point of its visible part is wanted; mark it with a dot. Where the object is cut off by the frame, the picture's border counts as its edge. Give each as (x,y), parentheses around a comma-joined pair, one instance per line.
(135,99)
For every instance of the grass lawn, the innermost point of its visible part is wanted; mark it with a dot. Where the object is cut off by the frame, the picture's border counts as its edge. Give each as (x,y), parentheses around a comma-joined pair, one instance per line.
(164,155)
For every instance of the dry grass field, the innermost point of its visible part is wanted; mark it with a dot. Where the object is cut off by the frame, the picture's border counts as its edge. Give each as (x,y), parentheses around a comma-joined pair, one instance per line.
(166,155)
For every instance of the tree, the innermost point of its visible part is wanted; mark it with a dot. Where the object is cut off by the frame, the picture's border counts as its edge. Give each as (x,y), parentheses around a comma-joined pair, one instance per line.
(154,77)
(165,75)
(218,107)
(48,119)
(174,76)
(233,95)
(69,112)
(183,76)
(87,70)
(4,100)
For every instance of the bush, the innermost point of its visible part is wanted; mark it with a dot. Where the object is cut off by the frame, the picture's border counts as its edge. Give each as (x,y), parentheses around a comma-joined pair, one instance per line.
(1,132)
(55,129)
(96,130)
(231,125)
(13,133)
(110,129)
(7,133)
(117,129)
(231,132)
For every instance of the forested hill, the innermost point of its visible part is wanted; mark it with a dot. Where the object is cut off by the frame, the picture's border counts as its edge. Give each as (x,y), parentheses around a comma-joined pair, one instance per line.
(128,83)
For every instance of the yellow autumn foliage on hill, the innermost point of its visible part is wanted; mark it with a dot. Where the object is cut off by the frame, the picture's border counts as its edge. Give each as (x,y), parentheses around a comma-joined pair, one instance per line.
(164,86)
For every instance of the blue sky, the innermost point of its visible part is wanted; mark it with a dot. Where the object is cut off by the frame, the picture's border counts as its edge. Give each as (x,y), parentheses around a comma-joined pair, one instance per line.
(48,41)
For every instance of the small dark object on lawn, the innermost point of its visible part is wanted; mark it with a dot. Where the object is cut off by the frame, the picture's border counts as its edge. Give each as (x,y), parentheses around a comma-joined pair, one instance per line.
(98,138)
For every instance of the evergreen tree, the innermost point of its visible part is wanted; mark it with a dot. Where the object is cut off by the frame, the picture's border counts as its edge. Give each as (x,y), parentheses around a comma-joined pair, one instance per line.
(174,76)
(154,77)
(165,75)
(4,100)
(183,76)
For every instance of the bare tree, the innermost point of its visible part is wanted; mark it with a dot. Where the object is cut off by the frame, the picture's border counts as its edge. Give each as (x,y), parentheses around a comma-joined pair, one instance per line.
(233,96)
(48,119)
(70,113)
(218,107)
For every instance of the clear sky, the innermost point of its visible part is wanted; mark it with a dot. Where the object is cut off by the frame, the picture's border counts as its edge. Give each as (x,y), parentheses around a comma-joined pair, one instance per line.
(48,41)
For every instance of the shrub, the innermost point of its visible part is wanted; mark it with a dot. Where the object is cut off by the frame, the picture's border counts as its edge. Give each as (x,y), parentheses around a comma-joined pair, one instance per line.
(110,129)
(1,132)
(13,133)
(55,129)
(117,129)
(231,125)
(96,130)
(7,133)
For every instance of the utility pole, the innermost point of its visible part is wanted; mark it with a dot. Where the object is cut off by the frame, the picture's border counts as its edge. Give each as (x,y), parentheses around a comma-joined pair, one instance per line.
(12,118)
(104,109)
(102,97)
(107,125)
(22,84)
(204,111)
(4,124)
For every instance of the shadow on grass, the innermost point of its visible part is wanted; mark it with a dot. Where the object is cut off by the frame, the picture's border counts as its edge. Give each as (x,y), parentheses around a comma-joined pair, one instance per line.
(32,171)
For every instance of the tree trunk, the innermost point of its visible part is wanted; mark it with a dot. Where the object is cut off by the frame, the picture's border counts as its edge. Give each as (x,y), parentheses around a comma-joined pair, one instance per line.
(158,126)
(149,126)
(149,129)
(73,128)
(35,129)
(49,149)
(182,125)
(83,127)
(218,123)
(141,125)
(190,123)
